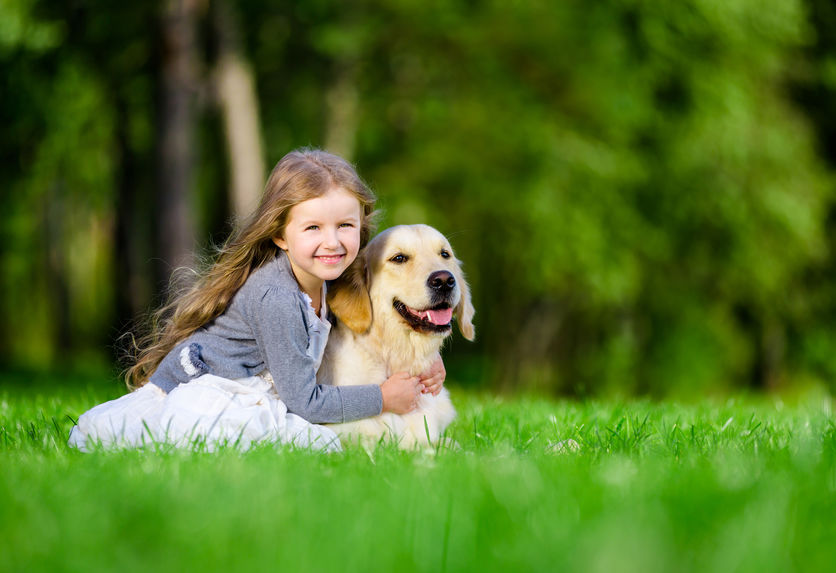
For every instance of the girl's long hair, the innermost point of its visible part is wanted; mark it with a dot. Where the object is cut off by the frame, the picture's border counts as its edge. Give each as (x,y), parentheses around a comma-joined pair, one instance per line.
(300,175)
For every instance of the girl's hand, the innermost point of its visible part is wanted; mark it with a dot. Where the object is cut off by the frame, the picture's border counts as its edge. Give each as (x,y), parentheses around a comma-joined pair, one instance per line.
(433,379)
(400,393)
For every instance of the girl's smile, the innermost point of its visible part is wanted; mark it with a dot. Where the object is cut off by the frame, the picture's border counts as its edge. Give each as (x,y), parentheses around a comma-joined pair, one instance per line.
(330,259)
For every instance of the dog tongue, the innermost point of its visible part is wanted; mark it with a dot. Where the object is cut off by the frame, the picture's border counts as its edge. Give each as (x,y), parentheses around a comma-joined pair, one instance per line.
(440,317)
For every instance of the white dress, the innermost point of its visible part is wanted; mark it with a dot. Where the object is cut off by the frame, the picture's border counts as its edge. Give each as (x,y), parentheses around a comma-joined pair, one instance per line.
(207,413)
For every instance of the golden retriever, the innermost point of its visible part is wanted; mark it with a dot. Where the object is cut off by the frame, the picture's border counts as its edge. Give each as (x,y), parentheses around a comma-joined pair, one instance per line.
(395,306)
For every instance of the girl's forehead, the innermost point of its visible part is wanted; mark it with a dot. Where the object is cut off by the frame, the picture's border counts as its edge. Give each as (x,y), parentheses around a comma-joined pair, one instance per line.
(336,202)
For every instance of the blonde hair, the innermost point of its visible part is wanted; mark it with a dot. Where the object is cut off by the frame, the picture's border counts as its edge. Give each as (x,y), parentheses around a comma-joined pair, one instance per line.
(300,175)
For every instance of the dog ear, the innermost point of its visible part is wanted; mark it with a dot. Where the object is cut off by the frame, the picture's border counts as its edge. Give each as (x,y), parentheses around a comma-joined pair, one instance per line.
(348,296)
(464,311)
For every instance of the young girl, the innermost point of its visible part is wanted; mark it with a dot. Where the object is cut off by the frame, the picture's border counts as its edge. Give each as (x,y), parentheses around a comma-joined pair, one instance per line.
(234,359)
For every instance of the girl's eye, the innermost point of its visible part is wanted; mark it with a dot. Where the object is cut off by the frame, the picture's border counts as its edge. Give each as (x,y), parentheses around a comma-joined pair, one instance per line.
(445,254)
(399,259)
(347,225)
(312,227)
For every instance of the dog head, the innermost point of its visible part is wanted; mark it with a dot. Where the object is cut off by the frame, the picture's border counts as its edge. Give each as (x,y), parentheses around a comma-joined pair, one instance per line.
(408,274)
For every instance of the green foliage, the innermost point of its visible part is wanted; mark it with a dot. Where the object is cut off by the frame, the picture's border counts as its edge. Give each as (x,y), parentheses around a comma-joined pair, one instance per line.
(620,180)
(532,485)
(636,188)
(19,29)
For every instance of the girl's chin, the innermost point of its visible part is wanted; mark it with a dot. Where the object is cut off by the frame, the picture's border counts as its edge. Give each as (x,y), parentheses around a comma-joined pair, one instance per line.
(331,271)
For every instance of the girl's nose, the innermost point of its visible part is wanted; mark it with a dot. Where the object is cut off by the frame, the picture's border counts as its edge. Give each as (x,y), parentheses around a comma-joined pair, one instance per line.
(331,240)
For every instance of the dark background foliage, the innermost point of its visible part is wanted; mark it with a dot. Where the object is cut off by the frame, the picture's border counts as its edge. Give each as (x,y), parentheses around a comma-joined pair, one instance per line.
(642,192)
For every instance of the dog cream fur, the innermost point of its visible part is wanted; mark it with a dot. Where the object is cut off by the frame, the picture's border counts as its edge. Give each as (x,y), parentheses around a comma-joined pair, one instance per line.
(372,341)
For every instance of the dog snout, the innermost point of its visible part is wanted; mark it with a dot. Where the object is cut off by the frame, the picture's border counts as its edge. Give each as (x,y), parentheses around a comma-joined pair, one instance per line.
(441,281)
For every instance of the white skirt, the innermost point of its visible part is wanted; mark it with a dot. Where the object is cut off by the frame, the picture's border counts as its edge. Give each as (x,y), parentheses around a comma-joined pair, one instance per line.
(207,413)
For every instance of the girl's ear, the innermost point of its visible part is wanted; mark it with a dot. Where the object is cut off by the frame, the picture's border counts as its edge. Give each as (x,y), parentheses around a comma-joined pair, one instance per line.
(348,296)
(280,242)
(464,311)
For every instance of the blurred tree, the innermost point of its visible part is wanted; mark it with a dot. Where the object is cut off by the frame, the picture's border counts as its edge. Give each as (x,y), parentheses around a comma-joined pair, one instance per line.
(175,130)
(57,172)
(235,86)
(812,335)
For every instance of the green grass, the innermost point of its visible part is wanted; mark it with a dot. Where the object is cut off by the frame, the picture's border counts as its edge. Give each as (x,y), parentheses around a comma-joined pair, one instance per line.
(738,485)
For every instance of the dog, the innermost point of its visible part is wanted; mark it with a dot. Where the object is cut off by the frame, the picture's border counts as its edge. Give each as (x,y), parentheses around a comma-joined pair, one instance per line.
(394,307)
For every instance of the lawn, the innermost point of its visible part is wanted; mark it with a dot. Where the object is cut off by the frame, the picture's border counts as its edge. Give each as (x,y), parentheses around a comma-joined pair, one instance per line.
(742,484)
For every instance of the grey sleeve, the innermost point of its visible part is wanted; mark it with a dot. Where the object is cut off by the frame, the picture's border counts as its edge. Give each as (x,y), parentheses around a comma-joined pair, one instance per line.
(281,333)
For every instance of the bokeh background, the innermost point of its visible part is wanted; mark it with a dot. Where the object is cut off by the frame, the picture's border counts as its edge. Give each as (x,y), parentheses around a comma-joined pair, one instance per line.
(642,192)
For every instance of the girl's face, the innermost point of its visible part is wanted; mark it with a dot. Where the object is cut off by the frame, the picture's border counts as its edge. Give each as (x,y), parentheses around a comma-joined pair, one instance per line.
(322,237)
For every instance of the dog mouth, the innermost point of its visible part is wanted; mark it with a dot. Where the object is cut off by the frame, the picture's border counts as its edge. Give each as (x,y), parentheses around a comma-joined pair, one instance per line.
(435,319)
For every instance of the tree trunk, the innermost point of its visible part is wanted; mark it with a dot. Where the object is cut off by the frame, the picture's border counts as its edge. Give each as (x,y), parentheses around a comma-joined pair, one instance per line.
(175,232)
(341,105)
(235,87)
(56,270)
(131,287)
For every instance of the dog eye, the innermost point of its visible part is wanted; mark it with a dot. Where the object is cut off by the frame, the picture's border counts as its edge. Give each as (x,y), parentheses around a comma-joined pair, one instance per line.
(399,259)
(445,254)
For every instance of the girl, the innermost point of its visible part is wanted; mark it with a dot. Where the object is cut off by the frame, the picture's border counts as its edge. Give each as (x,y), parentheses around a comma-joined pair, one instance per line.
(234,359)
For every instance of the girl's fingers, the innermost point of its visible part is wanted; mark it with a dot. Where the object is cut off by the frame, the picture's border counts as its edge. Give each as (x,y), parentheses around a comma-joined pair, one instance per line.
(435,369)
(433,388)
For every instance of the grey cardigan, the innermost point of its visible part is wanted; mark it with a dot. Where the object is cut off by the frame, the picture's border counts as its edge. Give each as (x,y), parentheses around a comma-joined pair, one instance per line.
(268,326)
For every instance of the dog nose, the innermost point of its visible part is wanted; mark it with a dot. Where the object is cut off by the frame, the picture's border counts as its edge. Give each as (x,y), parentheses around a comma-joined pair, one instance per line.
(441,281)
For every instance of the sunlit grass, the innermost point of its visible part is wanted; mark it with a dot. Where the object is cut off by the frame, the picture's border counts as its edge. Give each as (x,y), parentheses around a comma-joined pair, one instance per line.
(522,484)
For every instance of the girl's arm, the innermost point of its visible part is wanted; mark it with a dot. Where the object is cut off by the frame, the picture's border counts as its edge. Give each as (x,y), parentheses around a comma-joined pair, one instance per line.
(278,324)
